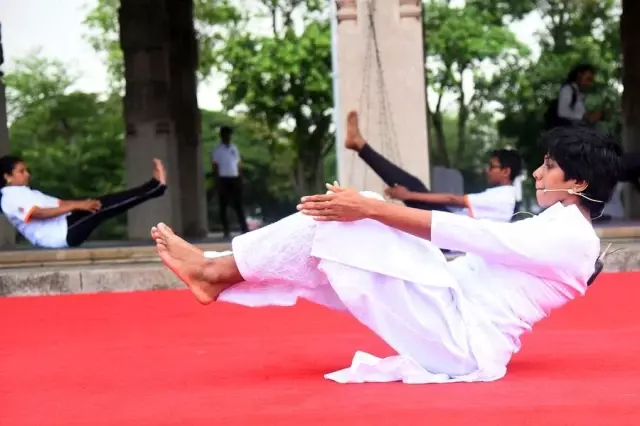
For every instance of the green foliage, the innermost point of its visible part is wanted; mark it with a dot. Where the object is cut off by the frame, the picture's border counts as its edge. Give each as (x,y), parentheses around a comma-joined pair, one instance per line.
(576,32)
(282,81)
(462,44)
(213,20)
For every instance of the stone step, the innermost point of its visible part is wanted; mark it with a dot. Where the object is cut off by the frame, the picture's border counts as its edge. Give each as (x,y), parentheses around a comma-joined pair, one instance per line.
(88,256)
(150,274)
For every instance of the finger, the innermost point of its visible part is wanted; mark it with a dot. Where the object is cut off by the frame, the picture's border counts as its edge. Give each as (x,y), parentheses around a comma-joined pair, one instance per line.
(310,205)
(318,198)
(334,188)
(311,210)
(317,213)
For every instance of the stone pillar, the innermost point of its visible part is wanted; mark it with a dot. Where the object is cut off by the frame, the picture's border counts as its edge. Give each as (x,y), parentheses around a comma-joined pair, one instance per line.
(7,233)
(392,104)
(630,40)
(161,112)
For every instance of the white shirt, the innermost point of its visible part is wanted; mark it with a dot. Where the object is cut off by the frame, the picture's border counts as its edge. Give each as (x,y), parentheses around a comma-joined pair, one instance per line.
(227,158)
(565,110)
(496,204)
(18,204)
(449,321)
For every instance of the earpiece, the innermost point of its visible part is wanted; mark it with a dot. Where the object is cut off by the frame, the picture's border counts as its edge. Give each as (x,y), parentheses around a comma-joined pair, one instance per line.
(573,192)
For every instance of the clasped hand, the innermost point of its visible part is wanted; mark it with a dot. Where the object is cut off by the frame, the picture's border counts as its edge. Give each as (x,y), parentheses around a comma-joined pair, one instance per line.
(341,205)
(89,205)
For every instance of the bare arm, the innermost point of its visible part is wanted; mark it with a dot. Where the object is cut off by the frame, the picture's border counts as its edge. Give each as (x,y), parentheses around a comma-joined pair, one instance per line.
(48,213)
(445,199)
(412,221)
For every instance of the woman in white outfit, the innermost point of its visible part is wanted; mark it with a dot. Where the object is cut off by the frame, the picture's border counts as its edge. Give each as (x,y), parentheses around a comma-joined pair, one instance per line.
(448,321)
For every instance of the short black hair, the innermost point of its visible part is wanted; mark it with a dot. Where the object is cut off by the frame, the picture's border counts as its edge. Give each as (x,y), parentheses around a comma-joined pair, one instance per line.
(226,130)
(572,77)
(7,164)
(589,155)
(509,158)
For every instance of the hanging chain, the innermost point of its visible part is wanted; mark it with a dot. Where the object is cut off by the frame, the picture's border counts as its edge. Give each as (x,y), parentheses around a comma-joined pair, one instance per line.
(386,127)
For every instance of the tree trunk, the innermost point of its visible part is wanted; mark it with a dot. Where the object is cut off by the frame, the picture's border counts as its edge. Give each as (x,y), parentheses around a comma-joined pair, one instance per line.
(441,142)
(161,112)
(630,39)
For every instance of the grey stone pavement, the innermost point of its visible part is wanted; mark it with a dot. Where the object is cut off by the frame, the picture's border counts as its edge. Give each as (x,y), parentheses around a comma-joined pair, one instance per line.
(134,266)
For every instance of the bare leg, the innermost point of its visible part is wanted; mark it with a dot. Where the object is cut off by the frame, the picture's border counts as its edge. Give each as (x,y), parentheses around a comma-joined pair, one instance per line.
(354,139)
(206,278)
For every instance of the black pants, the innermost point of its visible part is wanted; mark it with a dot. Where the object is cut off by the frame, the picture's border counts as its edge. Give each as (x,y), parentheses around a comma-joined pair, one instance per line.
(230,194)
(81,223)
(393,175)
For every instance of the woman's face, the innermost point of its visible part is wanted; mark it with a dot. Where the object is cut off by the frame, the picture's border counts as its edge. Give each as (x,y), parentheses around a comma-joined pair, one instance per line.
(585,79)
(550,176)
(19,177)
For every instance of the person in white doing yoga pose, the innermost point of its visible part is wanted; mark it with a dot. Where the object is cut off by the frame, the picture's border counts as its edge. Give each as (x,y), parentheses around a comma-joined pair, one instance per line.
(448,321)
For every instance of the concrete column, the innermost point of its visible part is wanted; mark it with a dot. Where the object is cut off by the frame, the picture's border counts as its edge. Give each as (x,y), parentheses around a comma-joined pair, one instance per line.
(391,103)
(161,112)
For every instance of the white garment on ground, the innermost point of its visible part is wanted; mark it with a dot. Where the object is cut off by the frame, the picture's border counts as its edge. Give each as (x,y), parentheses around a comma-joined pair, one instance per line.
(565,110)
(448,321)
(18,204)
(227,158)
(497,203)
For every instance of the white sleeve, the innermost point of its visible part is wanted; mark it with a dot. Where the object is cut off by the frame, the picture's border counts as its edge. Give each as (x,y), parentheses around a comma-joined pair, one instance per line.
(19,204)
(564,104)
(542,248)
(214,156)
(51,201)
(489,203)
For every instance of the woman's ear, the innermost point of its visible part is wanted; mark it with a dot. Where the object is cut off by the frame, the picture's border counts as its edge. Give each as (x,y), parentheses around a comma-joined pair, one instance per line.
(580,186)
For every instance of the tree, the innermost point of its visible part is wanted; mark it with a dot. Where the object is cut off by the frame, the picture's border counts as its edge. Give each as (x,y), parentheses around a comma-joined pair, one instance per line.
(214,18)
(282,82)
(460,43)
(72,141)
(575,32)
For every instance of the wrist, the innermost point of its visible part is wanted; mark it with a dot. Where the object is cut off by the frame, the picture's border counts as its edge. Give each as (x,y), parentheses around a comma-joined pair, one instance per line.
(374,209)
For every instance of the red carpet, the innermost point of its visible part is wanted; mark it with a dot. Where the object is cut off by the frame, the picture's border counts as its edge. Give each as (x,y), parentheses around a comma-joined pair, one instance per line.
(161,359)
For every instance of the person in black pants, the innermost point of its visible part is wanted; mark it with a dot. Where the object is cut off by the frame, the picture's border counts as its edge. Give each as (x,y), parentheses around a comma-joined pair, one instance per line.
(504,166)
(225,163)
(49,222)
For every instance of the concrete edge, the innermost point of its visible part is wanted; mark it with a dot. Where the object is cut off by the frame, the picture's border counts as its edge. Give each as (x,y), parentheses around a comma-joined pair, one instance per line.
(154,276)
(89,256)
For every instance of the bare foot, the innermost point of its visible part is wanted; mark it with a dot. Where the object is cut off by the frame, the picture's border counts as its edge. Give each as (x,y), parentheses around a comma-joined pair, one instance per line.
(159,172)
(190,273)
(178,247)
(354,139)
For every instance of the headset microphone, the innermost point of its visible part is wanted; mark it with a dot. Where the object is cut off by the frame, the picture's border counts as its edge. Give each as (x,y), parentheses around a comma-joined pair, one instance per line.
(573,192)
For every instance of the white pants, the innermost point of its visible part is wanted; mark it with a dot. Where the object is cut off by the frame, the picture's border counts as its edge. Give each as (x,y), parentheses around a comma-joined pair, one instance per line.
(326,263)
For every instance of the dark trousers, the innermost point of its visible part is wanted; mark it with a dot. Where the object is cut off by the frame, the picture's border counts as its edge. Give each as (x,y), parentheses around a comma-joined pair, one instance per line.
(81,223)
(393,175)
(230,194)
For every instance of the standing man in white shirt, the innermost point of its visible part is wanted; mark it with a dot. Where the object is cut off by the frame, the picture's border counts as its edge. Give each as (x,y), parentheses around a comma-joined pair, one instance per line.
(225,163)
